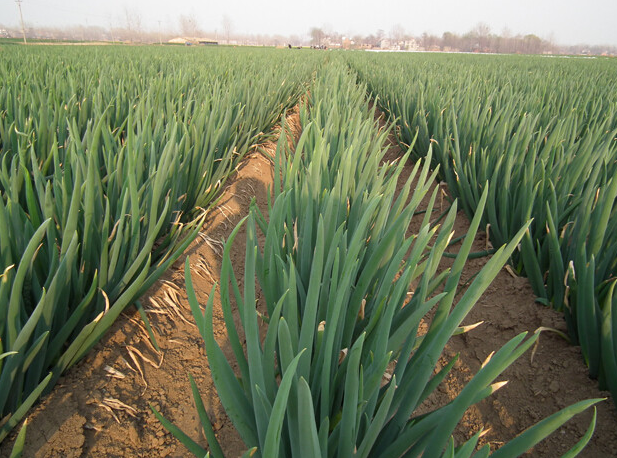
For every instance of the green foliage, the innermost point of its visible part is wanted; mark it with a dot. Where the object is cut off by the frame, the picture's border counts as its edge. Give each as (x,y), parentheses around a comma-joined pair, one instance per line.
(342,369)
(108,160)
(542,133)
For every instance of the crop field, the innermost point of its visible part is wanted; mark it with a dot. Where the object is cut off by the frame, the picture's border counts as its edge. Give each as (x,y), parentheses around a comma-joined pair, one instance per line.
(328,335)
(544,133)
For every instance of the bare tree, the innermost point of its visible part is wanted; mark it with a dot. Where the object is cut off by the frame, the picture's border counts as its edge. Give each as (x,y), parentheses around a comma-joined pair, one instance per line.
(227,26)
(550,42)
(128,17)
(429,42)
(450,41)
(506,41)
(138,28)
(317,35)
(482,29)
(532,44)
(397,33)
(482,32)
(187,26)
(132,19)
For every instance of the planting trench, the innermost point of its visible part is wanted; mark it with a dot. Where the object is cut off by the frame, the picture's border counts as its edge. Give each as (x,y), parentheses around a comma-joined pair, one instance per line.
(101,406)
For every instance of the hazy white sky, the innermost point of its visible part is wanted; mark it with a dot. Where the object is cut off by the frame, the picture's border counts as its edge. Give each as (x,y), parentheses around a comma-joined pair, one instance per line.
(566,21)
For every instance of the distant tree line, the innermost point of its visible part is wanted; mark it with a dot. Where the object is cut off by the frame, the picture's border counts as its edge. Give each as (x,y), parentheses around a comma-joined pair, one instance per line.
(479,39)
(131,30)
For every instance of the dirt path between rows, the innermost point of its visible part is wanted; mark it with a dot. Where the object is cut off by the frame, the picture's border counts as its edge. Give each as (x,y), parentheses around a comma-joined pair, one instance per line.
(100,408)
(538,385)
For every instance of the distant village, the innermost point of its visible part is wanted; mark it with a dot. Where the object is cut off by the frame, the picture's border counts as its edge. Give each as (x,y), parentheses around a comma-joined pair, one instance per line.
(478,40)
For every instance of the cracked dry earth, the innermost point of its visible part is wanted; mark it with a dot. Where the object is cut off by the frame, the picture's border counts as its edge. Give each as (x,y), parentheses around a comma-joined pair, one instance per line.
(100,408)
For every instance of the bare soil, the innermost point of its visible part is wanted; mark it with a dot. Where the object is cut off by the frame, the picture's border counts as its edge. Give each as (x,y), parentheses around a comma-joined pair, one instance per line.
(96,412)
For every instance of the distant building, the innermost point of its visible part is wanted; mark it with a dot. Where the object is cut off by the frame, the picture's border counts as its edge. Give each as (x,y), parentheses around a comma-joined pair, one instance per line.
(178,41)
(193,41)
(4,33)
(411,45)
